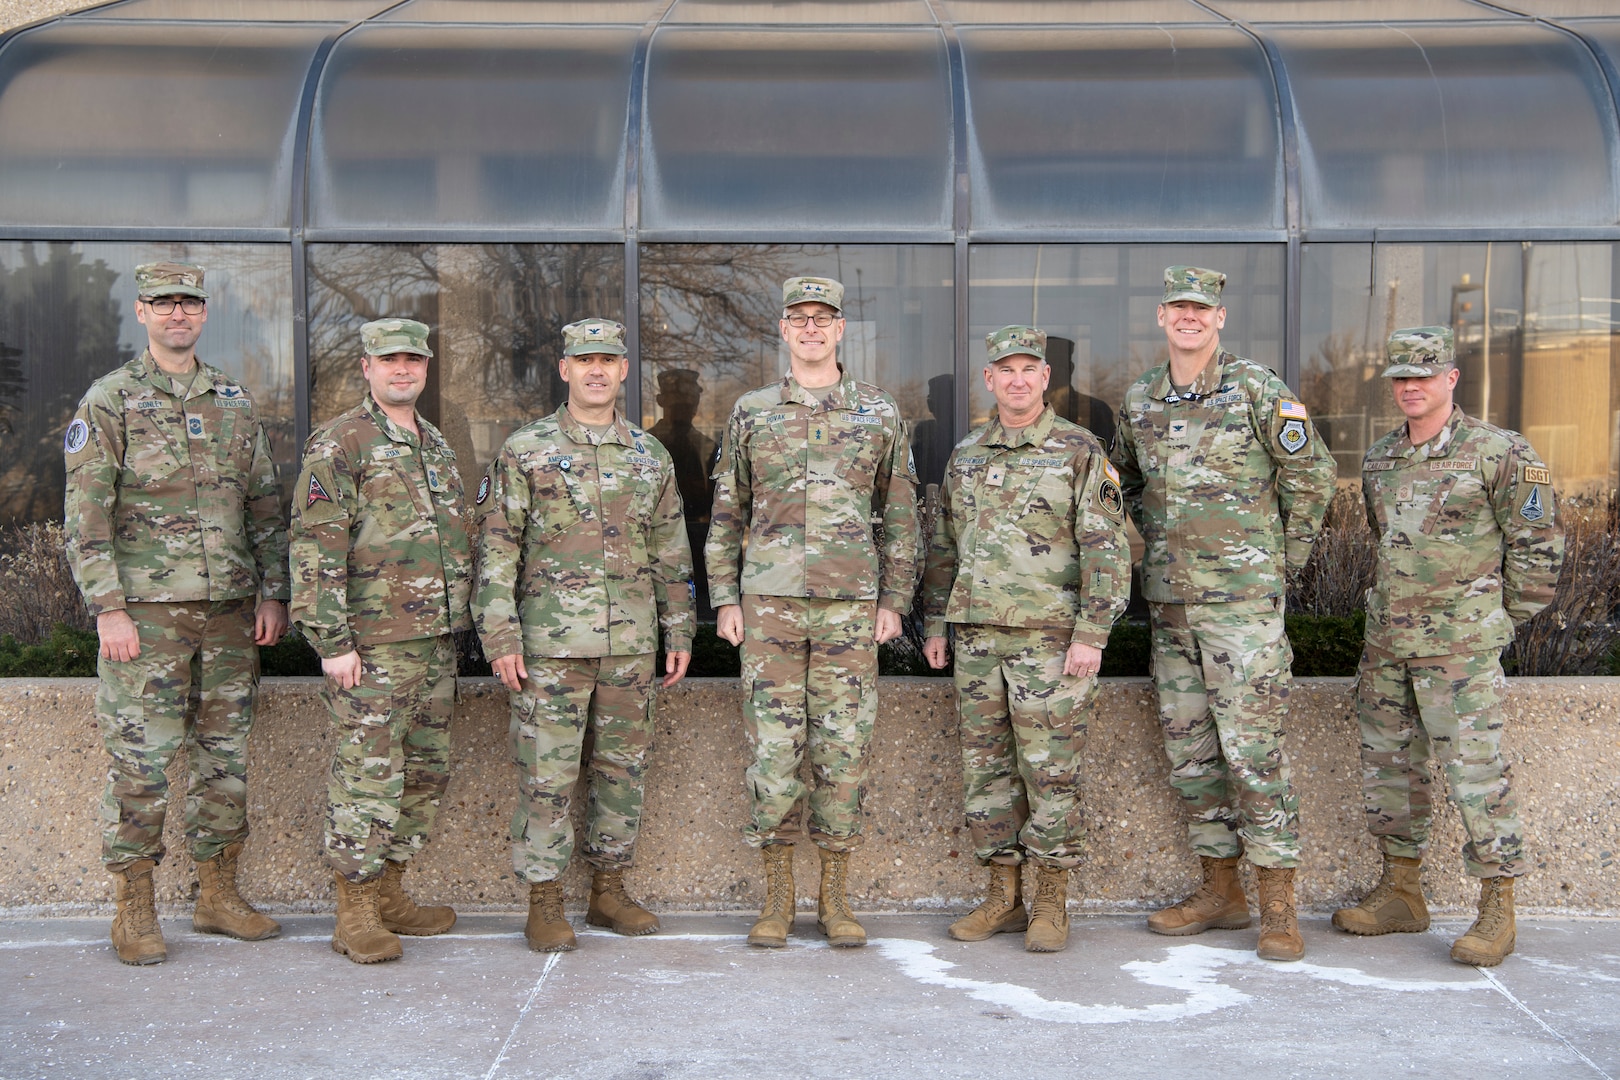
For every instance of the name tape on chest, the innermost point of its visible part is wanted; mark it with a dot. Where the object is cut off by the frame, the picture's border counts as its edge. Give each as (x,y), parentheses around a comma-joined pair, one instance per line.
(864,418)
(233,403)
(1040,462)
(147,405)
(1379,466)
(1454,465)
(390,453)
(643,460)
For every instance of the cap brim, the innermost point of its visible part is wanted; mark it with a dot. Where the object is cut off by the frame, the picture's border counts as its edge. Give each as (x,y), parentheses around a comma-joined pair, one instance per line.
(414,350)
(1189,294)
(175,290)
(1014,352)
(1415,371)
(587,350)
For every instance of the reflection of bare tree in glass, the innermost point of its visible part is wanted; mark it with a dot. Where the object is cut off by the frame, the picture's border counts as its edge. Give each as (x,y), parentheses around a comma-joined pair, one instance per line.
(1334,384)
(58,332)
(350,285)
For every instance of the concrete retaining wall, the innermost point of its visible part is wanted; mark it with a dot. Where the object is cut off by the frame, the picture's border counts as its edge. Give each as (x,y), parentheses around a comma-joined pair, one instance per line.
(1563,739)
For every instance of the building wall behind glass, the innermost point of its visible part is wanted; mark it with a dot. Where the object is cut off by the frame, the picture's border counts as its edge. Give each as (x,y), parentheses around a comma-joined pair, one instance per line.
(1534,324)
(67,317)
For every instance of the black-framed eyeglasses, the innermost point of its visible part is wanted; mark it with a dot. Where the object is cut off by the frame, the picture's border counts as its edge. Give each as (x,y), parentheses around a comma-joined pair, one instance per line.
(164,305)
(820,318)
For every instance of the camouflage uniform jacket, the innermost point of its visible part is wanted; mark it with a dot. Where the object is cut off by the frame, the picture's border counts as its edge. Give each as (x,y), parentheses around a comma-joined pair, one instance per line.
(1029,533)
(171,496)
(379,537)
(1227,483)
(803,479)
(582,549)
(1469,543)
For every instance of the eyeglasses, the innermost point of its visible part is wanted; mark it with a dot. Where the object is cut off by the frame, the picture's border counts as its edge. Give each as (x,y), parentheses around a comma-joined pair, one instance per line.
(821,318)
(164,305)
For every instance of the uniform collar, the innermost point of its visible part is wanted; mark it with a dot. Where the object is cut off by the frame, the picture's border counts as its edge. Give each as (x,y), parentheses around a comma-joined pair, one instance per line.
(208,378)
(393,430)
(1434,448)
(1033,434)
(841,395)
(619,432)
(1205,383)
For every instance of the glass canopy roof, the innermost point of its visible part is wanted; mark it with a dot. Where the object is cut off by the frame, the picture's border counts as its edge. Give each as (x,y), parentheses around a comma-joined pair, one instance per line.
(920,119)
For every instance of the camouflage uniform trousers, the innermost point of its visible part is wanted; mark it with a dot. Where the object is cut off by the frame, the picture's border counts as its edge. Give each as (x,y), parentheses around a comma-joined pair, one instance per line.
(1023,726)
(1222,676)
(612,698)
(1444,707)
(809,678)
(392,761)
(192,686)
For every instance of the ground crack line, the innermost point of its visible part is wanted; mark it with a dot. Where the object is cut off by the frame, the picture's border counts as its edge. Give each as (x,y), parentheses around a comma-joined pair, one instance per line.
(551,962)
(1548,1028)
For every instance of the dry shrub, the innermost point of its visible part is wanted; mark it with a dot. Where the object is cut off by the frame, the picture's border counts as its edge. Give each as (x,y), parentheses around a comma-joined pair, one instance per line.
(1576,634)
(37,590)
(1340,571)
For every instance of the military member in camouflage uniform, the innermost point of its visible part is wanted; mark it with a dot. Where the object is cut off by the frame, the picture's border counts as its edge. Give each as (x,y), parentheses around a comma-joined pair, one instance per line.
(1469,546)
(382,573)
(175,534)
(1030,564)
(583,556)
(808,466)
(1228,482)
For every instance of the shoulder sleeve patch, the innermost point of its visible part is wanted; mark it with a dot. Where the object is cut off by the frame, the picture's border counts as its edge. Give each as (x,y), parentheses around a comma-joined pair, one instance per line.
(1533,474)
(1291,410)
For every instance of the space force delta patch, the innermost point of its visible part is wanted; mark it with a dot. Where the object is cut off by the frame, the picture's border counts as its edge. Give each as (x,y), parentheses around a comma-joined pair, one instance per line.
(483,489)
(317,493)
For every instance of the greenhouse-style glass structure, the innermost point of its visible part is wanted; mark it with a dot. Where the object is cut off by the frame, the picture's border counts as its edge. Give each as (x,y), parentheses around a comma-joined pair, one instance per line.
(498,168)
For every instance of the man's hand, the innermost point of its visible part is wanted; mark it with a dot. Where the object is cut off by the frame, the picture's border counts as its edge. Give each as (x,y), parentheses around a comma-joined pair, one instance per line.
(937,651)
(269,622)
(888,626)
(728,623)
(120,640)
(510,670)
(1082,660)
(344,670)
(675,665)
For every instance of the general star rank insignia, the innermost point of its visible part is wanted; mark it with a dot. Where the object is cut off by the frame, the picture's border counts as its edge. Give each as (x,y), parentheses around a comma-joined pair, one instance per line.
(818,434)
(316,493)
(1292,437)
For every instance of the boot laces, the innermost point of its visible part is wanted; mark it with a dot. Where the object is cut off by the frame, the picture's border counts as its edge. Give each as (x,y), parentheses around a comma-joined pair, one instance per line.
(226,895)
(142,909)
(837,902)
(1492,913)
(776,889)
(1046,902)
(613,886)
(996,898)
(549,897)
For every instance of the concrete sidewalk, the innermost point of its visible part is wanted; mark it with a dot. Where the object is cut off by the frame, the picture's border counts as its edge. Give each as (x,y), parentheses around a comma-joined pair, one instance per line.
(696,1002)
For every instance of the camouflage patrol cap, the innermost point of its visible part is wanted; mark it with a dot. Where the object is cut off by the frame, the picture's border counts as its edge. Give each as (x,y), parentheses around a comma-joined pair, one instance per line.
(388,336)
(818,290)
(1015,341)
(591,336)
(1419,351)
(1193,283)
(169,279)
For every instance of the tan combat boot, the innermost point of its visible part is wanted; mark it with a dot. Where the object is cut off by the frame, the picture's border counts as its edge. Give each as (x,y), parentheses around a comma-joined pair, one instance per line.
(220,908)
(1002,911)
(833,916)
(1219,903)
(135,933)
(776,920)
(1049,914)
(612,907)
(402,915)
(1494,933)
(547,929)
(1279,926)
(359,933)
(1395,906)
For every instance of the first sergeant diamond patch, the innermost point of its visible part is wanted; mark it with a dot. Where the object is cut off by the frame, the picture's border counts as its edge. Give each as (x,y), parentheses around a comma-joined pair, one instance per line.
(317,493)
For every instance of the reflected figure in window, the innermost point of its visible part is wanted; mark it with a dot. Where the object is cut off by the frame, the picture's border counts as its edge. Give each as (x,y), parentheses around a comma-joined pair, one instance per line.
(175,536)
(808,465)
(1469,547)
(1030,567)
(1228,482)
(583,561)
(1091,413)
(382,575)
(679,395)
(931,442)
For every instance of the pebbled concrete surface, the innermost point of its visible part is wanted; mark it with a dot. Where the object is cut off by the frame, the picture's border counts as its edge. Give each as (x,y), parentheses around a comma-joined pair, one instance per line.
(696,1002)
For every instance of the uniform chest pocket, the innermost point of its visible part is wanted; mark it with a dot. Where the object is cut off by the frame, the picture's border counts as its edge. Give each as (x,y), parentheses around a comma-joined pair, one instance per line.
(150,456)
(553,506)
(391,492)
(860,448)
(1458,503)
(1046,504)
